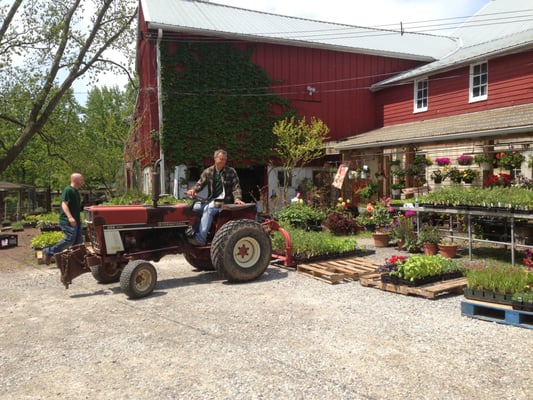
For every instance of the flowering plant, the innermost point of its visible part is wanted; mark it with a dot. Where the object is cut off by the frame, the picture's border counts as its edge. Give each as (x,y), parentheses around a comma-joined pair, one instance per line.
(439,175)
(442,161)
(529,259)
(469,174)
(343,204)
(454,174)
(465,159)
(391,263)
(381,212)
(498,180)
(510,159)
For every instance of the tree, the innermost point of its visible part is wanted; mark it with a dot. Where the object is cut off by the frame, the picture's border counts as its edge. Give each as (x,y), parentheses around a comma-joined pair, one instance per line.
(298,143)
(46,45)
(105,132)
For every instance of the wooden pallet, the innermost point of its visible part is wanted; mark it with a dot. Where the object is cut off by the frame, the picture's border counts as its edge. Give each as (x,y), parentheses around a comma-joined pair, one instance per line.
(500,313)
(429,291)
(339,270)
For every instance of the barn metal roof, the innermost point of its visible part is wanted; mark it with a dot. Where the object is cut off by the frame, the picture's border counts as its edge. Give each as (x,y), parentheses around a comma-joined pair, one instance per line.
(206,18)
(496,122)
(499,28)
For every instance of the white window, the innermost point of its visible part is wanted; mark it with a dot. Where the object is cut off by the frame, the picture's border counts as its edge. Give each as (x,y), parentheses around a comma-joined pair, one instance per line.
(421,95)
(479,82)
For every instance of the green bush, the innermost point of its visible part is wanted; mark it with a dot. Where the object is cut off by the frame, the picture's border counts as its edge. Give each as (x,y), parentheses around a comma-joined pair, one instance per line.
(419,266)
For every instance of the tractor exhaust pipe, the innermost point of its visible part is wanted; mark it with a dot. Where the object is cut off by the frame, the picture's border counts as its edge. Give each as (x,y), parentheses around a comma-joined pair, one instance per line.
(156,188)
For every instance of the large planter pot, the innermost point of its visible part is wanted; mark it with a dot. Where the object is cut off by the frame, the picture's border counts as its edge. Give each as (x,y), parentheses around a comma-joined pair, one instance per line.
(448,250)
(381,239)
(485,166)
(396,192)
(430,248)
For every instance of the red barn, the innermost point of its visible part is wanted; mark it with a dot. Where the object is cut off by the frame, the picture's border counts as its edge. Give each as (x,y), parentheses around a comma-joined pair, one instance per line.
(384,94)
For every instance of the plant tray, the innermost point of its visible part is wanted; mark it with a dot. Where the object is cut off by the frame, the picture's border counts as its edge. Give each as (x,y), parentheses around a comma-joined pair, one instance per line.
(488,296)
(339,270)
(520,305)
(429,291)
(500,313)
(387,278)
(7,241)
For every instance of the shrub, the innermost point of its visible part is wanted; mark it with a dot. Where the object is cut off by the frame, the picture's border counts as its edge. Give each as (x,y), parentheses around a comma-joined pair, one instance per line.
(341,224)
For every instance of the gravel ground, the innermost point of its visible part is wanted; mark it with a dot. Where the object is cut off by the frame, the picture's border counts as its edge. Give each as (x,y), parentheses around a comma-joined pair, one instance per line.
(284,336)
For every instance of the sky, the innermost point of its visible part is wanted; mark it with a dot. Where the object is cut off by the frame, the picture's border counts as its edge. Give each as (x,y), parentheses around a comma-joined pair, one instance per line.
(385,14)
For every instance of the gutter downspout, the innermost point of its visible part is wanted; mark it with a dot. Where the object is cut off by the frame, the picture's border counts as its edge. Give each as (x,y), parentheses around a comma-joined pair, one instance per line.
(160,113)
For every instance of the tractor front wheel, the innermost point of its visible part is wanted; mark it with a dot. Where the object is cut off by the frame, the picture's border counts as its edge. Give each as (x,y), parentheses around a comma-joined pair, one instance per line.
(241,250)
(138,279)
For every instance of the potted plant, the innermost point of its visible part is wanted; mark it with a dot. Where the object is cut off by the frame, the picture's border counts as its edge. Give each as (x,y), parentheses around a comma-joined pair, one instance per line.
(402,230)
(510,159)
(380,175)
(366,191)
(465,159)
(422,160)
(442,161)
(469,174)
(430,236)
(382,218)
(438,175)
(484,161)
(455,175)
(365,171)
(395,164)
(396,188)
(447,248)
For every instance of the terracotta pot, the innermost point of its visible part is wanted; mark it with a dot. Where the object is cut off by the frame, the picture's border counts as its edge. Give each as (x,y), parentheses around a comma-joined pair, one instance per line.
(381,239)
(430,248)
(448,251)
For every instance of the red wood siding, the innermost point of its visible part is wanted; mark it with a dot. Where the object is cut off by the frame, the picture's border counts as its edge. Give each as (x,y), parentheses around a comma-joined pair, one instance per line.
(342,99)
(510,82)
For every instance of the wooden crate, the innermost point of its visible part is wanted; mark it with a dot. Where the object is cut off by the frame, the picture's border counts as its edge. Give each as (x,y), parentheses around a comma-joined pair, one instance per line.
(429,291)
(339,270)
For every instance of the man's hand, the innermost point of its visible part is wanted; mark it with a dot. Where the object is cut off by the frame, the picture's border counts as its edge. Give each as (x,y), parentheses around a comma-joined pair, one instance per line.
(191,193)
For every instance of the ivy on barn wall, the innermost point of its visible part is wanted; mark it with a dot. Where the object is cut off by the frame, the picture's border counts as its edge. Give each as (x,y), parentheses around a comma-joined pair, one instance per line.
(215,97)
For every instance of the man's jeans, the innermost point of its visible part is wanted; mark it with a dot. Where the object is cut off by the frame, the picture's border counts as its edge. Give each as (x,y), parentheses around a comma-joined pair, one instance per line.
(73,236)
(208,214)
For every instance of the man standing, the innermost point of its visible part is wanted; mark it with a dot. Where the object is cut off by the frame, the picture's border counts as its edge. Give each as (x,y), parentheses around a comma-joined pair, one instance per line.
(69,218)
(223,187)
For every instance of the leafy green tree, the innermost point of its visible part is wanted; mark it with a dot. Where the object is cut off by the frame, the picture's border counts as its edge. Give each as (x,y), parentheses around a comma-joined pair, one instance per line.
(100,148)
(298,143)
(45,46)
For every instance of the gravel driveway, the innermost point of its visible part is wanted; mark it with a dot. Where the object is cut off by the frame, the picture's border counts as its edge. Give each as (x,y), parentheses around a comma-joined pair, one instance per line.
(284,336)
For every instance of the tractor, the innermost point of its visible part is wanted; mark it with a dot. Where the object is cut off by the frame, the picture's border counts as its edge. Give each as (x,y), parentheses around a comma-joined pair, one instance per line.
(123,241)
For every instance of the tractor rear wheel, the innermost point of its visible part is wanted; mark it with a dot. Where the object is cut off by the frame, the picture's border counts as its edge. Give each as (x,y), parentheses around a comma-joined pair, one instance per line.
(138,279)
(201,264)
(241,250)
(106,273)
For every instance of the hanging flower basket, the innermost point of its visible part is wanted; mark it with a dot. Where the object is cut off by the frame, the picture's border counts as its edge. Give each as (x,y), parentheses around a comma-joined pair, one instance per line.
(465,159)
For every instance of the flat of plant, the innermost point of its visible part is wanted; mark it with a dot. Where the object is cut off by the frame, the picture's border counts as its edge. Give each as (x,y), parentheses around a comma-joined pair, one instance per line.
(429,291)
(338,270)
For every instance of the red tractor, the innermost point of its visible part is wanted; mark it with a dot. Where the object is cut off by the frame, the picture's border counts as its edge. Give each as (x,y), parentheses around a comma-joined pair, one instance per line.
(122,240)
